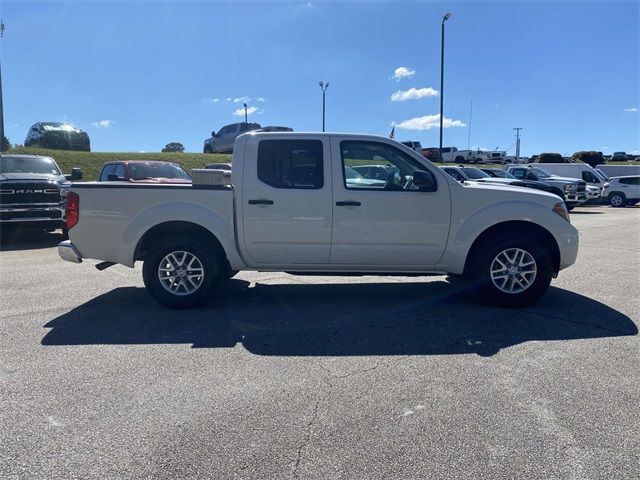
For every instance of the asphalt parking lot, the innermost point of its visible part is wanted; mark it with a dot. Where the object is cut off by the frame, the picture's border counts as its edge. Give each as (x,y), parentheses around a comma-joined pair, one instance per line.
(312,377)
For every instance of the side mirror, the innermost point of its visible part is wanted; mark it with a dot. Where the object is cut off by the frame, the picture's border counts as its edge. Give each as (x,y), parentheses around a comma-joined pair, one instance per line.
(112,177)
(425,181)
(76,174)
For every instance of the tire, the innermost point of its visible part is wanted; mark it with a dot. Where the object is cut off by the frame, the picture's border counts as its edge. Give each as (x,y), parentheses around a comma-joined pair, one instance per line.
(492,287)
(460,159)
(208,149)
(569,207)
(191,290)
(65,233)
(617,199)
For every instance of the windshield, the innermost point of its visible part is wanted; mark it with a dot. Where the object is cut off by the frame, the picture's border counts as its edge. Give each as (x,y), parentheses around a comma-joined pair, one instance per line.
(141,171)
(475,173)
(43,165)
(540,172)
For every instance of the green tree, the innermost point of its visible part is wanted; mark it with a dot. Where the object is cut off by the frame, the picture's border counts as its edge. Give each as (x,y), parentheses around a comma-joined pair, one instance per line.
(592,158)
(6,144)
(173,147)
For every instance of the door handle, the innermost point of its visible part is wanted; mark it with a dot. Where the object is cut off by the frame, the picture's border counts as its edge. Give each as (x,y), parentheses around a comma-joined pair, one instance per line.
(348,204)
(260,202)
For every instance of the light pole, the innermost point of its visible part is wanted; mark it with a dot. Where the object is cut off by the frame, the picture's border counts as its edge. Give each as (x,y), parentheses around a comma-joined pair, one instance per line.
(245,113)
(444,19)
(323,87)
(1,104)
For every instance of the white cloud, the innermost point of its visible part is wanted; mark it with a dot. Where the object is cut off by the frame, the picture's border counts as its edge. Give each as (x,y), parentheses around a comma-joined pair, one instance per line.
(413,94)
(242,99)
(631,109)
(250,110)
(260,99)
(428,122)
(211,100)
(103,123)
(229,99)
(402,72)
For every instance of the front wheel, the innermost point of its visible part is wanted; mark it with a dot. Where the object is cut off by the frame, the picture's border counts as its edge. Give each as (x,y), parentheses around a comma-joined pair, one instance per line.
(617,199)
(512,272)
(183,273)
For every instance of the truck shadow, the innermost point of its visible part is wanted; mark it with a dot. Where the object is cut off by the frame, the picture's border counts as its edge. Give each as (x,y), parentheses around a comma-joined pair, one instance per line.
(12,239)
(338,320)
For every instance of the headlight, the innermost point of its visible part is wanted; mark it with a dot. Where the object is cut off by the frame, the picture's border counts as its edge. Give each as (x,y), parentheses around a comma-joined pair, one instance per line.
(570,188)
(64,191)
(561,209)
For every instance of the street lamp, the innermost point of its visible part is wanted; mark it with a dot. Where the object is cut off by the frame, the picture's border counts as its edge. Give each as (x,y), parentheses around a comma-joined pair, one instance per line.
(444,19)
(245,113)
(323,87)
(2,145)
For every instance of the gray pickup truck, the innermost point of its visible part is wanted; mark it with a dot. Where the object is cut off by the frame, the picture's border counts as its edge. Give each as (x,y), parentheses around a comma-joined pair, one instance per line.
(574,189)
(33,192)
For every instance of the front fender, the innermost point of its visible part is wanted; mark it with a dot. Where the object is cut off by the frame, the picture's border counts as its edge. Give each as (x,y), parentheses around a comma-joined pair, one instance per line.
(219,225)
(470,226)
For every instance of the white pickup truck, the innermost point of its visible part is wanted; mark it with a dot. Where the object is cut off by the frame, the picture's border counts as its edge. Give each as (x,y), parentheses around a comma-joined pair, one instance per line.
(292,205)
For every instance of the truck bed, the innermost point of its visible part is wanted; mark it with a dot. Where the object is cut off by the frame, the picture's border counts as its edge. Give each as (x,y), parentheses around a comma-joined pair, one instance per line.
(115,215)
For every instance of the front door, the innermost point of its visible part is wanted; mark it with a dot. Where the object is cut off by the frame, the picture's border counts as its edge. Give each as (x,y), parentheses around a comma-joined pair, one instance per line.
(286,195)
(386,223)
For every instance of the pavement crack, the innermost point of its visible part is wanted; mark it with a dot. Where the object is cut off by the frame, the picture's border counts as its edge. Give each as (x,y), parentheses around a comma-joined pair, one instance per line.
(307,438)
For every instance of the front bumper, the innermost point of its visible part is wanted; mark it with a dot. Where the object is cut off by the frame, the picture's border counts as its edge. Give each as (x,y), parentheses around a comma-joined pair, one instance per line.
(68,252)
(575,198)
(568,244)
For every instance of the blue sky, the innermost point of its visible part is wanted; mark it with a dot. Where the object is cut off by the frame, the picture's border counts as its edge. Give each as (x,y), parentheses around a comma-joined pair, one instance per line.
(137,75)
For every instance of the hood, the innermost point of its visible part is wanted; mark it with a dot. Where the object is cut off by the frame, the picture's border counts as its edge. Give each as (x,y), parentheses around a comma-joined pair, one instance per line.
(526,194)
(162,180)
(504,181)
(556,178)
(42,177)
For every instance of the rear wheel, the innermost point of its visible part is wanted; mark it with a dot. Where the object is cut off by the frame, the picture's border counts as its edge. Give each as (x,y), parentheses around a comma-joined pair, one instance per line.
(183,272)
(513,272)
(617,199)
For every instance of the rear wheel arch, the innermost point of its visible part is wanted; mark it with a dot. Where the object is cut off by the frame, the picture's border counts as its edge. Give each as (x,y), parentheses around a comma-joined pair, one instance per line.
(153,237)
(503,230)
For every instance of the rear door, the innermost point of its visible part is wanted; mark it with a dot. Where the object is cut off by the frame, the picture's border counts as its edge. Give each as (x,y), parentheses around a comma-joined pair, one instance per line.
(286,197)
(386,224)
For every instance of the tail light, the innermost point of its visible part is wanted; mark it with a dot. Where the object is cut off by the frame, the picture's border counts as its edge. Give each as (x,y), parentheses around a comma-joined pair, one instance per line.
(73,209)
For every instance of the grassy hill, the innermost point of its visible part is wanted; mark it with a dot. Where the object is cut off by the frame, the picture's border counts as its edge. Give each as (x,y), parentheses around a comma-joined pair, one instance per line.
(91,162)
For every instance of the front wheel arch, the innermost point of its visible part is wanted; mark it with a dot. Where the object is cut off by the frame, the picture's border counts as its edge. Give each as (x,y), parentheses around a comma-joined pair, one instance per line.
(501,230)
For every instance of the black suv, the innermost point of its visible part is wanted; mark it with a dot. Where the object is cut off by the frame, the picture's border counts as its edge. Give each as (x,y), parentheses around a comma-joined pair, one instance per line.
(57,135)
(33,192)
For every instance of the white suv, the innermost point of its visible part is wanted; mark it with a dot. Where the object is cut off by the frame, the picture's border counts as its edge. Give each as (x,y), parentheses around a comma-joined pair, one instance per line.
(621,191)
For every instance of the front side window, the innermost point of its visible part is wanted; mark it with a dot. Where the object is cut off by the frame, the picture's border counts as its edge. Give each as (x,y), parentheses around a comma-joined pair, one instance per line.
(291,163)
(120,171)
(589,177)
(399,165)
(455,174)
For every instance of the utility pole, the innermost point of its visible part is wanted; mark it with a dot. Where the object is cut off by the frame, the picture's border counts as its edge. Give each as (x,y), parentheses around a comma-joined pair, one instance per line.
(323,87)
(245,113)
(1,104)
(517,129)
(444,19)
(470,115)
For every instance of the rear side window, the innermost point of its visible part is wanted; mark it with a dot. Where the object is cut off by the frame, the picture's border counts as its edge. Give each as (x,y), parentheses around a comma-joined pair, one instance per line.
(291,163)
(630,181)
